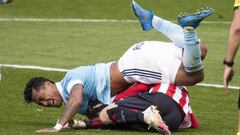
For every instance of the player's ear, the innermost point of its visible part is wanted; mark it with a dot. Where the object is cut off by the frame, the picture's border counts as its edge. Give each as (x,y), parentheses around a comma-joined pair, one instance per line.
(47,83)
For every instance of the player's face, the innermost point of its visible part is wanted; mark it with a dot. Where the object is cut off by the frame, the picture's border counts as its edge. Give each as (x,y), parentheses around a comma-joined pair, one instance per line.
(47,96)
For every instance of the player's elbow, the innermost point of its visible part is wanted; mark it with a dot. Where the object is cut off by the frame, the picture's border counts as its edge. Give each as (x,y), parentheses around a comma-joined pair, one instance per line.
(236,31)
(235,28)
(75,102)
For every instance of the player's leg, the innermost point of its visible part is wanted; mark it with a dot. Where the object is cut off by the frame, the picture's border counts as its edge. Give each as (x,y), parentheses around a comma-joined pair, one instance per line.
(171,113)
(149,116)
(192,54)
(171,30)
(117,114)
(122,115)
(134,110)
(186,39)
(153,118)
(168,110)
(185,78)
(149,20)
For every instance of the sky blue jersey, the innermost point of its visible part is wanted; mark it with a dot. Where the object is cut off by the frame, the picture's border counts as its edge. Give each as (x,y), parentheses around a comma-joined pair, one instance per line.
(95,80)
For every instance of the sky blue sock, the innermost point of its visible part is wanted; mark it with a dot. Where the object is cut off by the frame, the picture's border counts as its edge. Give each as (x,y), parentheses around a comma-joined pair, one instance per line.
(192,55)
(173,31)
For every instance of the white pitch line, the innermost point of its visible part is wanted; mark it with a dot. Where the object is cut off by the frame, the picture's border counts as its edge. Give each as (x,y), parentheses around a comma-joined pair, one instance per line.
(65,70)
(217,86)
(64,20)
(88,20)
(34,67)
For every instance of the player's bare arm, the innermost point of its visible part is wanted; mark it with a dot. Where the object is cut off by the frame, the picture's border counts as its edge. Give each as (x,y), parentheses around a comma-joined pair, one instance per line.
(70,110)
(232,47)
(72,105)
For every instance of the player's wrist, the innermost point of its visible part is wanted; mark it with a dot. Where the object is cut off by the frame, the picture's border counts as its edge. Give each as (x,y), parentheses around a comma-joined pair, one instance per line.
(228,63)
(58,126)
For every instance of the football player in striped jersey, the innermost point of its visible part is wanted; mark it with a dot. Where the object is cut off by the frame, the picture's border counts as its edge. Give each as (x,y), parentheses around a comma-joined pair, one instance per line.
(165,107)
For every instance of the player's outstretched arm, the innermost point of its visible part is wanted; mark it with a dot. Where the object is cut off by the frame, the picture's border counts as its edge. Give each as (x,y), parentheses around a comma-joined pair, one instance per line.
(70,110)
(233,45)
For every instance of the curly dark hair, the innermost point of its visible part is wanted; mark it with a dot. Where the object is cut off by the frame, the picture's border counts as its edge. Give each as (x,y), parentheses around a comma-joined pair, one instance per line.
(33,83)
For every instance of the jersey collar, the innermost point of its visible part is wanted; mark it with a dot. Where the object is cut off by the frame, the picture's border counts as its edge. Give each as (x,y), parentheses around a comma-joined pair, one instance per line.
(60,90)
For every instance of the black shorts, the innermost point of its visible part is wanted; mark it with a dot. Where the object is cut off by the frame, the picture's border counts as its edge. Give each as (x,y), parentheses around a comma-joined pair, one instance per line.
(170,111)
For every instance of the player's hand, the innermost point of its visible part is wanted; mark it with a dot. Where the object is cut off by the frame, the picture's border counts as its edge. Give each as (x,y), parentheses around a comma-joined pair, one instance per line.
(227,77)
(47,130)
(75,124)
(68,125)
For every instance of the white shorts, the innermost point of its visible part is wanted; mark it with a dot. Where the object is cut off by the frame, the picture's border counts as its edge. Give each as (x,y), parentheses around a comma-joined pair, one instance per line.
(151,62)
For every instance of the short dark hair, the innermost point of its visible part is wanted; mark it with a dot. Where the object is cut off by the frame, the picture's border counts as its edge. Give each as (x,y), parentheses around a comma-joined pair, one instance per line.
(33,83)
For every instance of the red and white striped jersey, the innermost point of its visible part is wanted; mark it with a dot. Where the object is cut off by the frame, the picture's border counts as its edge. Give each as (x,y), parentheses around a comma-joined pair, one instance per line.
(181,96)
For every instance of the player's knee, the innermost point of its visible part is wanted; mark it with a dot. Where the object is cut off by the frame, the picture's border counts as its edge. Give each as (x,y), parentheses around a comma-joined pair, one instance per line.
(200,77)
(185,78)
(197,77)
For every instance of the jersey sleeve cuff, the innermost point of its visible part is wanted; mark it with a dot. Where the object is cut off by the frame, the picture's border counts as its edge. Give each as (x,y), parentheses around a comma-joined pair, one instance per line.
(72,83)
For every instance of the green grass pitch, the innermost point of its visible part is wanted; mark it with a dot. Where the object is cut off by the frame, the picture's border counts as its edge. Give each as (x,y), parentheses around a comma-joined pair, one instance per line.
(71,44)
